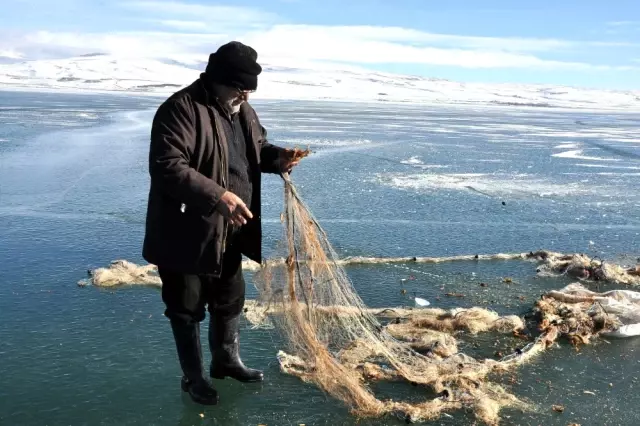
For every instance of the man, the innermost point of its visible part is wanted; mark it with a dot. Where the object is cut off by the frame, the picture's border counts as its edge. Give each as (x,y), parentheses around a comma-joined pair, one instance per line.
(208,150)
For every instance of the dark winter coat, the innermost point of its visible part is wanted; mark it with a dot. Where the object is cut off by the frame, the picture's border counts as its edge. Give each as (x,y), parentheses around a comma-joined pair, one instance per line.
(188,165)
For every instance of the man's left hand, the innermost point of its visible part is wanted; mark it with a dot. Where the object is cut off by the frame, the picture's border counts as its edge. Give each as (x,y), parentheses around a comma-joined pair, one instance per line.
(289,158)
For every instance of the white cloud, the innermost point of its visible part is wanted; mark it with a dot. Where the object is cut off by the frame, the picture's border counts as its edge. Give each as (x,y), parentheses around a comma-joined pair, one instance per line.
(358,45)
(369,45)
(347,44)
(46,44)
(622,23)
(10,54)
(611,44)
(406,35)
(237,16)
(622,27)
(413,37)
(183,25)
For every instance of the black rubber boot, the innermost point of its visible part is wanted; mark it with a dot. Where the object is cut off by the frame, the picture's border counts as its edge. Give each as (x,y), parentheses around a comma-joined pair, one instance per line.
(187,338)
(225,351)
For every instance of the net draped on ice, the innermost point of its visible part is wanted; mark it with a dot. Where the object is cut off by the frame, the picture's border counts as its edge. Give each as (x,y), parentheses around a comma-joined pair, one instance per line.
(335,342)
(342,346)
(122,272)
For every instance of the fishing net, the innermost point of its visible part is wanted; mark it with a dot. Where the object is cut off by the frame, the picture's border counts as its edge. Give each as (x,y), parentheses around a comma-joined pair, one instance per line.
(122,272)
(335,342)
(580,314)
(584,267)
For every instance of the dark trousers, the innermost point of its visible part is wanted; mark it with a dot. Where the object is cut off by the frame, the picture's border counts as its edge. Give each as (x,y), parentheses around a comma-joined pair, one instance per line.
(186,296)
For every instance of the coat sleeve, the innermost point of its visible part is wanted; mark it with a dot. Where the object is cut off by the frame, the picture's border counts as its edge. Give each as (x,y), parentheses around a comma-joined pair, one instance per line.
(173,139)
(269,154)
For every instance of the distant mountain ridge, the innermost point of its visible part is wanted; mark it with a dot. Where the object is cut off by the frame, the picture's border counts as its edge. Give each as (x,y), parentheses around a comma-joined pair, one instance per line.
(101,72)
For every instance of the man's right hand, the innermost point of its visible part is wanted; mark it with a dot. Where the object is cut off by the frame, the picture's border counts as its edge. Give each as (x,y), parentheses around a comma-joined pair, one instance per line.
(233,209)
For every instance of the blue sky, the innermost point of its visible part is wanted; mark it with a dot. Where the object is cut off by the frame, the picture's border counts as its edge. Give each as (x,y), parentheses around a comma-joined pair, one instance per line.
(582,43)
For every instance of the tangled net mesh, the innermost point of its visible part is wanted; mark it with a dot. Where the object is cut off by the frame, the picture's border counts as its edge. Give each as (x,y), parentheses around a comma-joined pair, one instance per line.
(584,267)
(335,342)
(123,272)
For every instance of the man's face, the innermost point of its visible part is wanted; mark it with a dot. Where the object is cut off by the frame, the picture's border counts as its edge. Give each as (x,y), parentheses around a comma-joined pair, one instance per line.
(233,98)
(239,97)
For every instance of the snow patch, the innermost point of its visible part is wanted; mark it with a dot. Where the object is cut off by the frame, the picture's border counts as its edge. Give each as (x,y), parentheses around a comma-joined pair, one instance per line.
(87,115)
(607,166)
(492,185)
(413,160)
(417,162)
(567,146)
(325,142)
(579,154)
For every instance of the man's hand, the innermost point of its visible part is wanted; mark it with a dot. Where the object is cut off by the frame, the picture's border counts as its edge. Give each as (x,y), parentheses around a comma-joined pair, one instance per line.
(289,158)
(233,209)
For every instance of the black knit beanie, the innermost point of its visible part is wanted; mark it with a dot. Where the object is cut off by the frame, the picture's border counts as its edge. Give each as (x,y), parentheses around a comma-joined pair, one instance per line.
(234,64)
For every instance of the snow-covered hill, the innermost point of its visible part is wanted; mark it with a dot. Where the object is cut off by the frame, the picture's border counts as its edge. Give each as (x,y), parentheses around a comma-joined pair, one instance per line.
(301,81)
